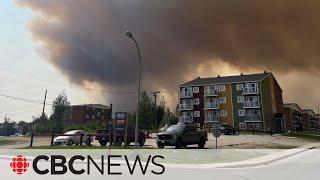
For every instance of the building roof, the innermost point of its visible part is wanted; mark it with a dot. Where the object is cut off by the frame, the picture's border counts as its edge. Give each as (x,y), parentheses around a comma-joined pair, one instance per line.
(227,79)
(310,112)
(293,106)
(93,105)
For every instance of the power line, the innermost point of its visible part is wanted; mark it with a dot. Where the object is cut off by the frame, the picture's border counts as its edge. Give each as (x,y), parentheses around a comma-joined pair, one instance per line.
(21,99)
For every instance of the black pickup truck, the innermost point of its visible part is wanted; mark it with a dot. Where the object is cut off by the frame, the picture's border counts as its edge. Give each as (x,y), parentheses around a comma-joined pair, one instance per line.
(104,136)
(182,135)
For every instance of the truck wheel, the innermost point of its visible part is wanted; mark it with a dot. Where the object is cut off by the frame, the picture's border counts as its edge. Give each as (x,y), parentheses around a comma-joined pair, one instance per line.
(119,141)
(160,145)
(88,142)
(179,144)
(103,143)
(142,141)
(202,143)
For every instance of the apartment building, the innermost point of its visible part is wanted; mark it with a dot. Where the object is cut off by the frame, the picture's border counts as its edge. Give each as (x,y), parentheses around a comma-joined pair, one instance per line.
(293,117)
(310,119)
(251,101)
(81,114)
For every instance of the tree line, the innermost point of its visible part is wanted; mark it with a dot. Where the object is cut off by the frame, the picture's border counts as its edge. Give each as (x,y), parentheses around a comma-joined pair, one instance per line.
(151,117)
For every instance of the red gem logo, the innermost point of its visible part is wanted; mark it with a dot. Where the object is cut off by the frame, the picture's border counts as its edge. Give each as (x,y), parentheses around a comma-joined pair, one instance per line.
(19,164)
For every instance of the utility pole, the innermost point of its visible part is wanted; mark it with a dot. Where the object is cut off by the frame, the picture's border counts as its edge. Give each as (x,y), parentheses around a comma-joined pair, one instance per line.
(155,94)
(42,115)
(44,103)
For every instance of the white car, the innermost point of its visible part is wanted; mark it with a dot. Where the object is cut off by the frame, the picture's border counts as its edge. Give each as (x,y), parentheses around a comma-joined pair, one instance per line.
(73,137)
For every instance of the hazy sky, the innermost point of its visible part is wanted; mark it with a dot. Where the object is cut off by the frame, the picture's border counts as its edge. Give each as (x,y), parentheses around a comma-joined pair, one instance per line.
(24,72)
(78,46)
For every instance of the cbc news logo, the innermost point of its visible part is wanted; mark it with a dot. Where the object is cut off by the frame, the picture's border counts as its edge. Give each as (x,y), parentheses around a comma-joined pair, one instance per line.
(19,164)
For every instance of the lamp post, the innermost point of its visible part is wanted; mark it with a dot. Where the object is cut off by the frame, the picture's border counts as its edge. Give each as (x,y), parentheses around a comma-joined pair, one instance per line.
(130,35)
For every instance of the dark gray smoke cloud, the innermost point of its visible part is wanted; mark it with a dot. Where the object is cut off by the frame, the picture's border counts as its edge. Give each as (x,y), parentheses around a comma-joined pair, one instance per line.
(85,38)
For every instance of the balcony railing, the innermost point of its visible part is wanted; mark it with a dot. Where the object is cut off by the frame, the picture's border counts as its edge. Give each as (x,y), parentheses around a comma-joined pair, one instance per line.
(186,106)
(210,92)
(250,90)
(186,119)
(251,104)
(211,118)
(253,118)
(211,105)
(185,94)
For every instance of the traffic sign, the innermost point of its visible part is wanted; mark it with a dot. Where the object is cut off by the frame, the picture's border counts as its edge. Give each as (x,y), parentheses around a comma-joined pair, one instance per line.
(216,130)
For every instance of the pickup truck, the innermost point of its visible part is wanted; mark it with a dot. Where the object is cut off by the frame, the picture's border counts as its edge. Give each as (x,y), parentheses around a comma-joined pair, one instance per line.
(182,135)
(104,136)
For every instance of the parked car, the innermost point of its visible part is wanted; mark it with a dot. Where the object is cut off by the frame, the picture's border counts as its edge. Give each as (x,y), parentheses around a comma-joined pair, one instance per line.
(227,129)
(104,136)
(73,137)
(181,135)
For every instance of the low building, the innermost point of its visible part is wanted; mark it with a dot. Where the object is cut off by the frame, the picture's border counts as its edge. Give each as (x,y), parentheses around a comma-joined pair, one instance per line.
(251,101)
(310,119)
(85,113)
(293,117)
(318,119)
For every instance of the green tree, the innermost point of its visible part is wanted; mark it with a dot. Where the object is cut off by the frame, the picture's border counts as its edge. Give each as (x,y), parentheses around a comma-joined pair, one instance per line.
(8,127)
(41,124)
(146,112)
(61,112)
(169,118)
(160,111)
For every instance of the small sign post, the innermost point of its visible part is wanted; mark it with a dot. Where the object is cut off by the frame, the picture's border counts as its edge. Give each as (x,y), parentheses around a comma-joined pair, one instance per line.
(216,131)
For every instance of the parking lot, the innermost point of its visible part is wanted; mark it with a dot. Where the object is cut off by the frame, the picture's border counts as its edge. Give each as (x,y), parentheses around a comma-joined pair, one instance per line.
(243,141)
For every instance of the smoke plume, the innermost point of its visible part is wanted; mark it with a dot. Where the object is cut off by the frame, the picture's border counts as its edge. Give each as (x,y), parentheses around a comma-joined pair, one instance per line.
(181,39)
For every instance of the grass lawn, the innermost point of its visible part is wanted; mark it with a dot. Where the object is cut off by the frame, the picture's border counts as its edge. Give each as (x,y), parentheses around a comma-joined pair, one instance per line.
(309,137)
(6,142)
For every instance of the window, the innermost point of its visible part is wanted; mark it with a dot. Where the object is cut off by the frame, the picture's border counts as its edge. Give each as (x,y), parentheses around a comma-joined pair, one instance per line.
(87,116)
(222,88)
(223,113)
(98,113)
(195,89)
(196,101)
(240,99)
(197,125)
(222,100)
(239,87)
(242,125)
(241,112)
(92,116)
(196,114)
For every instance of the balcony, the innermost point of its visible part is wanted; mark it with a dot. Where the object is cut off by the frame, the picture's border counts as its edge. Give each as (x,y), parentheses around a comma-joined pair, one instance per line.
(211,105)
(186,106)
(210,92)
(185,94)
(253,118)
(250,90)
(186,119)
(211,119)
(251,104)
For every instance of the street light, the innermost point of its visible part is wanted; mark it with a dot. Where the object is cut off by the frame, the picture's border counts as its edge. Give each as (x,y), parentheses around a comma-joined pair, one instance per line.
(130,35)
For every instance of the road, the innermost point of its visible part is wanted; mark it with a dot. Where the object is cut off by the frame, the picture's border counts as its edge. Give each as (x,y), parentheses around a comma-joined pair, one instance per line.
(301,166)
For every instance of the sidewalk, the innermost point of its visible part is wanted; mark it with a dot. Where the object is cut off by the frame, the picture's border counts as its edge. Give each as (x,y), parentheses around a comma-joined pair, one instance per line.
(250,162)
